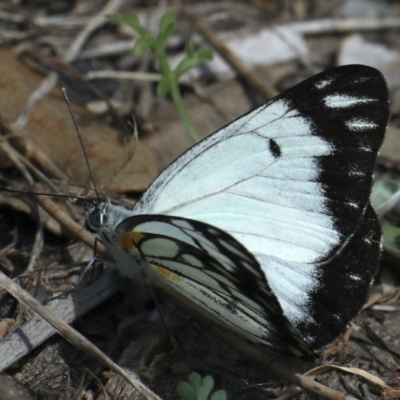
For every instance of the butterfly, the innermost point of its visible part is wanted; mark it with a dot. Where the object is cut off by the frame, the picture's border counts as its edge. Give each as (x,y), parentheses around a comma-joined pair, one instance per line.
(265,227)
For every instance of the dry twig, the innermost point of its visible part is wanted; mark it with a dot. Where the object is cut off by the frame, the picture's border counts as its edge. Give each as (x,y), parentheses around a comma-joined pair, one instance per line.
(246,73)
(71,335)
(332,25)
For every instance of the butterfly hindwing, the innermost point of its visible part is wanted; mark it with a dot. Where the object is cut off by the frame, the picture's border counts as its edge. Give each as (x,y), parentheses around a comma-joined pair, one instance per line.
(207,267)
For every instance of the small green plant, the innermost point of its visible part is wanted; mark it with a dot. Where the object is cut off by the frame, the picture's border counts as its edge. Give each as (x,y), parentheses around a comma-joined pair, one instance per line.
(169,78)
(384,197)
(198,388)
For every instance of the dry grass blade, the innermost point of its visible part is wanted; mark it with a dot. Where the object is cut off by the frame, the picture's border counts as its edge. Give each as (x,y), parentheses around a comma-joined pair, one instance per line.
(74,229)
(389,297)
(387,391)
(338,346)
(299,380)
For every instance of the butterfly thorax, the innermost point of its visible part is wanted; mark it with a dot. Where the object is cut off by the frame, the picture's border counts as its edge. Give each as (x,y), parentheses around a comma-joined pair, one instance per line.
(103,217)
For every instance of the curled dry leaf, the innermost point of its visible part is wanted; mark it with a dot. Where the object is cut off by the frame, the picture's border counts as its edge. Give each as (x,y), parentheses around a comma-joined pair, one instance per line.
(50,130)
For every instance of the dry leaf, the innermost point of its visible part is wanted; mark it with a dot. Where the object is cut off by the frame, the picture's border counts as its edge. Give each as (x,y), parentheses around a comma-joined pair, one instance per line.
(51,130)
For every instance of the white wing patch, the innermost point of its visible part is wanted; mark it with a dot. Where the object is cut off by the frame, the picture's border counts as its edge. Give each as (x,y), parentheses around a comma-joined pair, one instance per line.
(360,124)
(341,101)
(275,192)
(290,282)
(323,83)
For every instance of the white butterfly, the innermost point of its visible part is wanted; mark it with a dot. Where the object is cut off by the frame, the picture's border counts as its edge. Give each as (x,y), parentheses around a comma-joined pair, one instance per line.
(265,227)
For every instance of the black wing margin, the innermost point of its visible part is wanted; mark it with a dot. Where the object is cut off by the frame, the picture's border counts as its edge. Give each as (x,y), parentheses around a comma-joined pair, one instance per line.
(355,129)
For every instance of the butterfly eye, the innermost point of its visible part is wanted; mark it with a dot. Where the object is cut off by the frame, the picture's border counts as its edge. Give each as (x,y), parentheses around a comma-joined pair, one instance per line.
(95,219)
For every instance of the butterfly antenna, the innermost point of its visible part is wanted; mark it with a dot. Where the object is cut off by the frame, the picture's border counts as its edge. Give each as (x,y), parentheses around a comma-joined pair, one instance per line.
(37,193)
(78,133)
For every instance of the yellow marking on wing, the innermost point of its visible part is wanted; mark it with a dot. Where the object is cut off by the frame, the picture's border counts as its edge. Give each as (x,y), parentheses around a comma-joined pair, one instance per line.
(167,274)
(129,239)
(164,273)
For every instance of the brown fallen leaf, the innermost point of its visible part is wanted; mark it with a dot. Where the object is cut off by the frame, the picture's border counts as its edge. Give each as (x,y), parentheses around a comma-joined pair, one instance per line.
(50,130)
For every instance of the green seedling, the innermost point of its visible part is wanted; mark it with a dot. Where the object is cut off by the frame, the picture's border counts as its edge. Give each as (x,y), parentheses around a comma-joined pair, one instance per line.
(169,77)
(198,388)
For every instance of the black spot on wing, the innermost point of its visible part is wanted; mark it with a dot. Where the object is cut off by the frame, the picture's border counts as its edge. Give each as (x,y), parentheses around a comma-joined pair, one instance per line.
(274,148)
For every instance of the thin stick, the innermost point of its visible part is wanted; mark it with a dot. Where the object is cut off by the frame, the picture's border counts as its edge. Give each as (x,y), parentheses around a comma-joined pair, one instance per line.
(69,308)
(37,247)
(74,229)
(332,25)
(245,72)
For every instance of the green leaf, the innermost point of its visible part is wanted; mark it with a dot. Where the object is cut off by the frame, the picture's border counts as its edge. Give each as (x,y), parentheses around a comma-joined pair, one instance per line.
(391,240)
(202,54)
(205,54)
(186,391)
(125,18)
(195,379)
(219,395)
(129,19)
(166,27)
(191,48)
(142,45)
(186,65)
(205,388)
(193,59)
(164,86)
(198,388)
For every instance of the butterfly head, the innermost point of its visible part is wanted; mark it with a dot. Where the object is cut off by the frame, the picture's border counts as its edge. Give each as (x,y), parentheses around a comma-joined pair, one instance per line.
(96,215)
(104,216)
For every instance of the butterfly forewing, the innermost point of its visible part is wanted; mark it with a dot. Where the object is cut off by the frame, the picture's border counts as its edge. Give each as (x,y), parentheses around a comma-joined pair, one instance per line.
(214,272)
(291,181)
